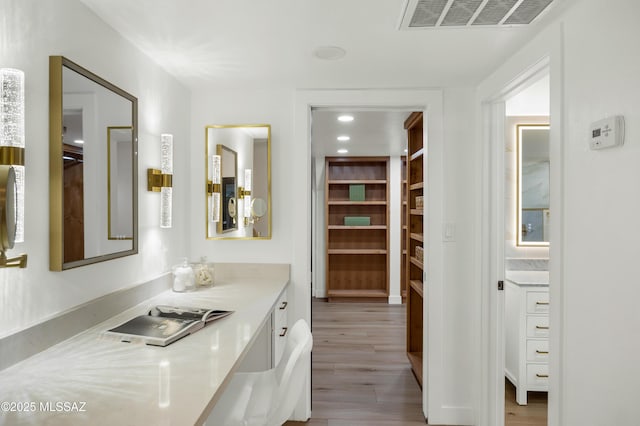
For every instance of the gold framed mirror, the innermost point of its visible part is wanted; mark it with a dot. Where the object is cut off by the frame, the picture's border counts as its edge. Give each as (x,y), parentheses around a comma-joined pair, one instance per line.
(238,181)
(93,165)
(532,206)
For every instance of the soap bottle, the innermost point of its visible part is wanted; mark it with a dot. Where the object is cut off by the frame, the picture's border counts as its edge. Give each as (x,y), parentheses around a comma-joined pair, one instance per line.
(183,277)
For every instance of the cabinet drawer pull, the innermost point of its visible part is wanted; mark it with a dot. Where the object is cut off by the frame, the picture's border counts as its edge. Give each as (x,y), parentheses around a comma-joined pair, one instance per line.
(542,352)
(284,331)
(542,327)
(542,376)
(283,306)
(542,303)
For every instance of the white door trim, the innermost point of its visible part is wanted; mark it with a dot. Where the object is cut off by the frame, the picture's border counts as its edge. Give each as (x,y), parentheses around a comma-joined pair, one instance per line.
(431,102)
(492,236)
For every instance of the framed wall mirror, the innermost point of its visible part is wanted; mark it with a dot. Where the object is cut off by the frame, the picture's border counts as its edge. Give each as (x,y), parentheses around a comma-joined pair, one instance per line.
(532,185)
(93,168)
(238,181)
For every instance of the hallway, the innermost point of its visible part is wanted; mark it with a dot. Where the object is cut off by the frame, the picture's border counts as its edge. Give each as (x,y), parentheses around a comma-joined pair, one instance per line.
(360,373)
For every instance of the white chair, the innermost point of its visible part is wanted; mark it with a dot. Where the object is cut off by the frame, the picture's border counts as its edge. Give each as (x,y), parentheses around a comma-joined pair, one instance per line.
(267,398)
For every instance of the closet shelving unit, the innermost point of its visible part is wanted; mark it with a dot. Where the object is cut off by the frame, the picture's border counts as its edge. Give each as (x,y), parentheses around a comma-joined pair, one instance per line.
(404,234)
(414,265)
(357,256)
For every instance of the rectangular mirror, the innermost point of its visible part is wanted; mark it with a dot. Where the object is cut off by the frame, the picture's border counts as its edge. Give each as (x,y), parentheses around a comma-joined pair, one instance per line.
(238,181)
(93,167)
(533,184)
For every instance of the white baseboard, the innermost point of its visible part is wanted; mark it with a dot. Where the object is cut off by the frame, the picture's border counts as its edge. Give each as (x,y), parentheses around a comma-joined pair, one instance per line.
(395,300)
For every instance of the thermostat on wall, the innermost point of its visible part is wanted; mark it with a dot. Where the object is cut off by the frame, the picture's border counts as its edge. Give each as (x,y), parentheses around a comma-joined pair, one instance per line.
(607,133)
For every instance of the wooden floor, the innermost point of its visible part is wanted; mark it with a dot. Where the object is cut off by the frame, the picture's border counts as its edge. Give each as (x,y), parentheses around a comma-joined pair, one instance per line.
(532,414)
(361,376)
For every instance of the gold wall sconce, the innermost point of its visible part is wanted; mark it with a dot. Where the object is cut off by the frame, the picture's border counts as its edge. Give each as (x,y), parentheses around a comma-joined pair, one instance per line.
(11,165)
(162,180)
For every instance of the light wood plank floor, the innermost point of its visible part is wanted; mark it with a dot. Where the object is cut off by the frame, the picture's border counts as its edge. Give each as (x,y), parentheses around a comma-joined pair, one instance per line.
(361,376)
(532,414)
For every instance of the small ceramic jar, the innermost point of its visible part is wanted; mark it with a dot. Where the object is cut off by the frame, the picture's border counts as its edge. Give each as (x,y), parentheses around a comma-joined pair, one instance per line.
(183,277)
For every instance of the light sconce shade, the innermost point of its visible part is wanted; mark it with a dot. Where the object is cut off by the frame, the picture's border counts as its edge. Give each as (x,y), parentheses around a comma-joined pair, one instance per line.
(12,135)
(214,188)
(162,180)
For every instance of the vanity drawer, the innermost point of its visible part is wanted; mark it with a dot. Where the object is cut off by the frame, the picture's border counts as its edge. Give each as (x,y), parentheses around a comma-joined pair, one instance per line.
(538,376)
(538,302)
(538,350)
(537,326)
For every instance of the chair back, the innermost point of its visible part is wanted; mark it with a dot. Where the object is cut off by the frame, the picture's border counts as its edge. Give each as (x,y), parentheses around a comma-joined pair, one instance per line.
(291,372)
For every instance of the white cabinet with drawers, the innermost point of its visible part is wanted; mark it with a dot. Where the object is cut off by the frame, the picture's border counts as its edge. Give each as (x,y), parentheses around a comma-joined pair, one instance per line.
(527,337)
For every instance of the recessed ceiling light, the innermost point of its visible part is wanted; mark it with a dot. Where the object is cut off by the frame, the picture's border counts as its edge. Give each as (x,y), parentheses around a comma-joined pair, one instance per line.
(78,141)
(345,118)
(406,150)
(329,53)
(343,151)
(343,138)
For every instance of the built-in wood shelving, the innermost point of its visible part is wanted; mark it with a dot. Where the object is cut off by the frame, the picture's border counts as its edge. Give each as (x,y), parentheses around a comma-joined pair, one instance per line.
(357,257)
(414,268)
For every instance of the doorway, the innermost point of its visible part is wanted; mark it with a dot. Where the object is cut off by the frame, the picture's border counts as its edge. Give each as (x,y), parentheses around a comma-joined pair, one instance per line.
(497,253)
(415,100)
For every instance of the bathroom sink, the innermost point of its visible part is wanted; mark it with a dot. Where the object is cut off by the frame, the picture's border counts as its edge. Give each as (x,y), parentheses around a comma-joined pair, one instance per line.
(528,277)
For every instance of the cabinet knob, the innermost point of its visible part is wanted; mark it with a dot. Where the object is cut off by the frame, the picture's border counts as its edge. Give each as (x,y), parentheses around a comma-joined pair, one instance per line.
(284,305)
(284,331)
(542,376)
(542,303)
(542,352)
(542,327)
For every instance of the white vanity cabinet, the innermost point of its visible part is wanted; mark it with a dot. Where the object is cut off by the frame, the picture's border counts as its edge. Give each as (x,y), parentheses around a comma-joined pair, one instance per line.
(268,346)
(280,327)
(527,337)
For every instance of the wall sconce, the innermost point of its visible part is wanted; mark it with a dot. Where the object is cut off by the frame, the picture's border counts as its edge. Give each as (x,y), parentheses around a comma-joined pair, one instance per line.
(214,188)
(11,165)
(162,180)
(245,194)
(12,134)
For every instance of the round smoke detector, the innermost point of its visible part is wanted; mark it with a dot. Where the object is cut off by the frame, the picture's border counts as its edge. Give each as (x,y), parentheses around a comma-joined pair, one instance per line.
(329,53)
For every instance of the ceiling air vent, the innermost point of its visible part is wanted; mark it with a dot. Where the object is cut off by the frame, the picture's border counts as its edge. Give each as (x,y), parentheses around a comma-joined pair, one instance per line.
(419,14)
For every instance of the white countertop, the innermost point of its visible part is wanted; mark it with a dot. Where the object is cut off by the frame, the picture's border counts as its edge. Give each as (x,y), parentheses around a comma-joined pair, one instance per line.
(531,278)
(92,379)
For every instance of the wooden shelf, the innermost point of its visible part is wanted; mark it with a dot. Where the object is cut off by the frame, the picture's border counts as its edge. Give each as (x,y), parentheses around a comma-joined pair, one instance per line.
(417,212)
(419,185)
(415,359)
(357,181)
(356,251)
(417,262)
(357,257)
(418,287)
(416,237)
(356,293)
(357,203)
(419,153)
(364,227)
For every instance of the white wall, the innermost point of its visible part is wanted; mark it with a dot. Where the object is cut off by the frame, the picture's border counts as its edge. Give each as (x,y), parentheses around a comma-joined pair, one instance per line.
(595,200)
(601,202)
(31,31)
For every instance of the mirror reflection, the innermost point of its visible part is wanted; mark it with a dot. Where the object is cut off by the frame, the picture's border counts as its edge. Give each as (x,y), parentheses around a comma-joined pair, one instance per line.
(238,181)
(93,162)
(119,180)
(533,184)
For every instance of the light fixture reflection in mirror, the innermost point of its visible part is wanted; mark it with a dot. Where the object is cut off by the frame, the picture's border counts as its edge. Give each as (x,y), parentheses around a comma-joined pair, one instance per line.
(242,154)
(532,213)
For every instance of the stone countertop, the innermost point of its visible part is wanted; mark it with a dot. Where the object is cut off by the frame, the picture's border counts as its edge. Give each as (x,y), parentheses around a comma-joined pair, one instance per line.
(528,278)
(94,379)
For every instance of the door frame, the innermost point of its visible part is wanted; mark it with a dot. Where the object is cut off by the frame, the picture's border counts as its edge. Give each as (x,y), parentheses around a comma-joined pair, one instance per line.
(429,101)
(492,120)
